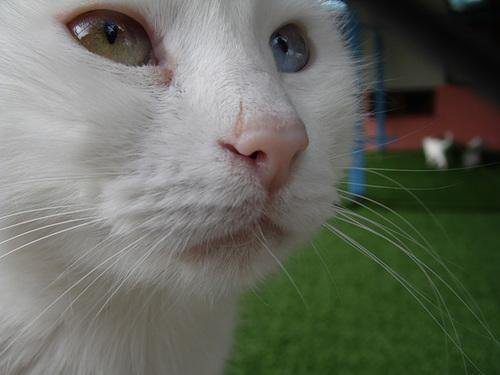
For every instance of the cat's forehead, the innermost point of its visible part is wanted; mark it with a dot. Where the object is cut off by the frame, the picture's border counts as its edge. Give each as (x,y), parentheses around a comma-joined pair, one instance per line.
(197,9)
(164,14)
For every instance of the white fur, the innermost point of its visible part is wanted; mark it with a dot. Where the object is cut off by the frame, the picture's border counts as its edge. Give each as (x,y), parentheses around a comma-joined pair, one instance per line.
(110,179)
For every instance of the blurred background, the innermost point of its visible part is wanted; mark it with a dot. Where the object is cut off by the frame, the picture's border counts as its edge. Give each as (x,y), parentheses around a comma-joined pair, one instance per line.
(406,280)
(431,67)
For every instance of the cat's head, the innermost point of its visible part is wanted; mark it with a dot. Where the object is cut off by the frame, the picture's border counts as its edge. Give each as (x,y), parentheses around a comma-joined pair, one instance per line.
(182,142)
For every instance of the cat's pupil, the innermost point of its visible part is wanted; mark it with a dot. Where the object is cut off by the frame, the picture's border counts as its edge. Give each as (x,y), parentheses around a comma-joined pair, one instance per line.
(282,44)
(111,31)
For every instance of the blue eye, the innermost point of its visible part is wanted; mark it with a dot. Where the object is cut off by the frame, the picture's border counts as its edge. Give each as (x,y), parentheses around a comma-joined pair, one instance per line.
(289,48)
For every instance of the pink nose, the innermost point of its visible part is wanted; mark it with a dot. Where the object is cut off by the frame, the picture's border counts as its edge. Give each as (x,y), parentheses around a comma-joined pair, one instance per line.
(270,145)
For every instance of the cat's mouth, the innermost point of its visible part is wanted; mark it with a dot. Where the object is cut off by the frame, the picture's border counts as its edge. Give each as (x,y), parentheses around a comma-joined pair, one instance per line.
(244,243)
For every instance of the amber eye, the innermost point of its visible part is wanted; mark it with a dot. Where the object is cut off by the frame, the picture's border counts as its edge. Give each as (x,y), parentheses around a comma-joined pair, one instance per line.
(113,35)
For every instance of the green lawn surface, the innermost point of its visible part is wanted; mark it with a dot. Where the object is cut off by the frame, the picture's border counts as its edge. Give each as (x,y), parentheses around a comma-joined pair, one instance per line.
(339,312)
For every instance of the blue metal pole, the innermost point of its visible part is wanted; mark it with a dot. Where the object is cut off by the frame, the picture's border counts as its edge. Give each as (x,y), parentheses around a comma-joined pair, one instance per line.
(357,175)
(380,104)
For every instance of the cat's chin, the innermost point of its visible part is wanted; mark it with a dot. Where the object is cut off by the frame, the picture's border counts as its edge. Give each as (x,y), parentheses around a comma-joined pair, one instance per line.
(235,262)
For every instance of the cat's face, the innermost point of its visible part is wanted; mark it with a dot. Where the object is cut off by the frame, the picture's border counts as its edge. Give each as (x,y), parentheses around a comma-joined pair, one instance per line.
(137,169)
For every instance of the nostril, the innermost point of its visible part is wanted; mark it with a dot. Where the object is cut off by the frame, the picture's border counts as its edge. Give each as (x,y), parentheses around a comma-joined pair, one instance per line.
(255,155)
(271,146)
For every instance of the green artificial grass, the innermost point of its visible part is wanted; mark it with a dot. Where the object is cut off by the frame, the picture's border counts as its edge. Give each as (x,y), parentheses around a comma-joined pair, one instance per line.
(350,316)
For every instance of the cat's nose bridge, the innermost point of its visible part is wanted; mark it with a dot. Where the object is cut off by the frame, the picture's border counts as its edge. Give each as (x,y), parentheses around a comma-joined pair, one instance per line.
(270,145)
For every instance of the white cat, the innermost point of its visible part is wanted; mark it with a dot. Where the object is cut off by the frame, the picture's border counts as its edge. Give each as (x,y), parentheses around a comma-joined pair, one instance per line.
(156,158)
(435,150)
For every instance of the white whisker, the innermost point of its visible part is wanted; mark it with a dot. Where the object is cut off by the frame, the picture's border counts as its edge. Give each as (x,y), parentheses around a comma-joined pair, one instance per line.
(262,239)
(401,188)
(35,210)
(86,221)
(410,288)
(417,199)
(117,256)
(59,179)
(325,267)
(138,263)
(41,218)
(427,248)
(67,291)
(426,170)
